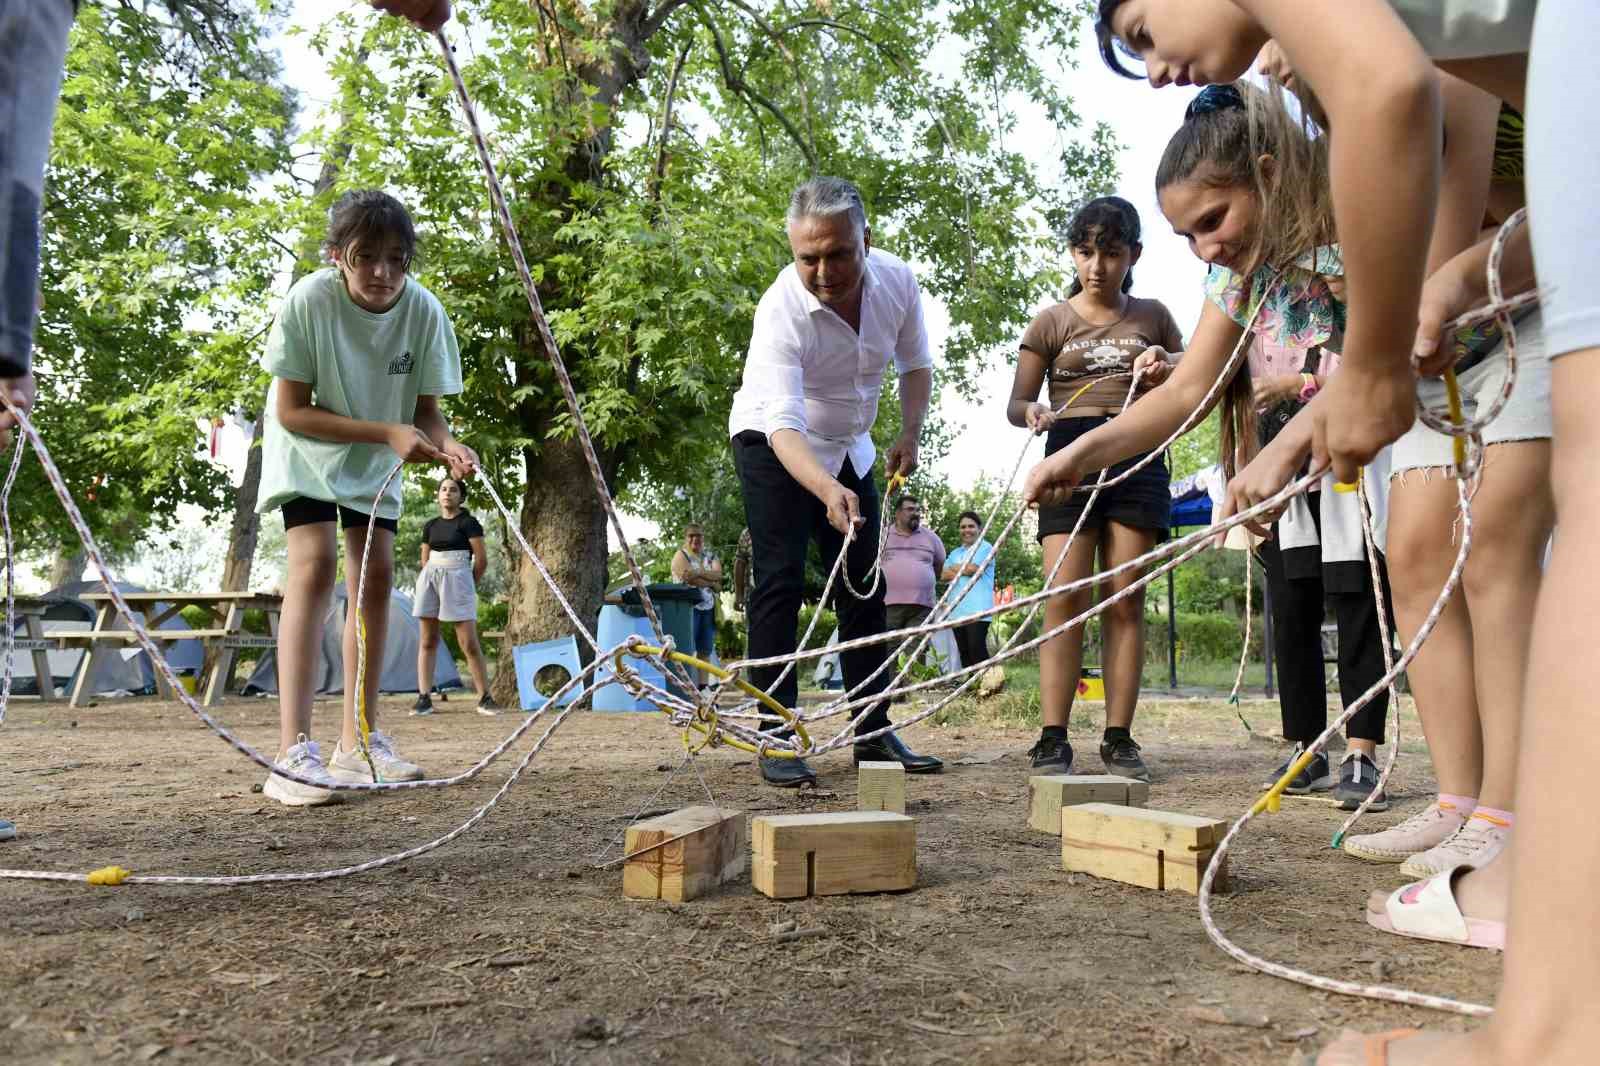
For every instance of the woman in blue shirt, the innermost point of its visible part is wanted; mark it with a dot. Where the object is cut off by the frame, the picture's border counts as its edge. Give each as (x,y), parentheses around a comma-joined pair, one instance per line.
(972,564)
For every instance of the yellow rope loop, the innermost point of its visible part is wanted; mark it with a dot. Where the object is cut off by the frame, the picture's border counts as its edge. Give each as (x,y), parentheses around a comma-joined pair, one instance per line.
(1273,797)
(109,875)
(1452,391)
(789,718)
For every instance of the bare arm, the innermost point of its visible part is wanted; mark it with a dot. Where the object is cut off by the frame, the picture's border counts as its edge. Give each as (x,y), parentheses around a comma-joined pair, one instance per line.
(298,414)
(480,559)
(426,552)
(1025,386)
(794,452)
(916,389)
(1470,119)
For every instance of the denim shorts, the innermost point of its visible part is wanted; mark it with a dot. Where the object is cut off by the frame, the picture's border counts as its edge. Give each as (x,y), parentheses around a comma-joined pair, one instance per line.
(33,46)
(1142,502)
(1526,415)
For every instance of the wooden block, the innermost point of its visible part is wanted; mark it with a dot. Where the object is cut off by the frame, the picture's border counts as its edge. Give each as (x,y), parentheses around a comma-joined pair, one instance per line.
(1152,849)
(798,855)
(881,786)
(700,848)
(1048,793)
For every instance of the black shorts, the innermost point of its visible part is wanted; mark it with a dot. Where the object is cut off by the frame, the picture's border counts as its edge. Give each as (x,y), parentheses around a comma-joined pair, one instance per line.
(303,511)
(1142,502)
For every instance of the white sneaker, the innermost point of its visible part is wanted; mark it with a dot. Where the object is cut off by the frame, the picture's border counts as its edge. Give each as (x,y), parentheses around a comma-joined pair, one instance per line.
(1426,829)
(351,766)
(1479,839)
(302,760)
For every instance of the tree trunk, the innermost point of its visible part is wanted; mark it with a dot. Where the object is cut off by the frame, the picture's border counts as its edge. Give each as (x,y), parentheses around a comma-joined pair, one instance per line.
(66,567)
(563,519)
(246,529)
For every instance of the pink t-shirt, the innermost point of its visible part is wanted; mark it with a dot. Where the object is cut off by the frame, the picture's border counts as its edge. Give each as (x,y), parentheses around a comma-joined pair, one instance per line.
(910,564)
(1279,360)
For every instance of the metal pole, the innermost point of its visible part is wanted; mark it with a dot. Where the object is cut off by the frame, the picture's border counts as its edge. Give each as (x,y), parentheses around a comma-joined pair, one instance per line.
(1266,628)
(1172,636)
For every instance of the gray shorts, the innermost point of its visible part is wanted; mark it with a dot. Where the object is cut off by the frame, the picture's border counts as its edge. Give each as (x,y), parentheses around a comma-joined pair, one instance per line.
(1526,415)
(33,45)
(445,589)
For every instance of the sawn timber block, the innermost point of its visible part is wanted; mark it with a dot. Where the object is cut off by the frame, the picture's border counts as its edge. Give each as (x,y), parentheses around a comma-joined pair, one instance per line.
(881,786)
(795,855)
(699,849)
(1152,849)
(1048,793)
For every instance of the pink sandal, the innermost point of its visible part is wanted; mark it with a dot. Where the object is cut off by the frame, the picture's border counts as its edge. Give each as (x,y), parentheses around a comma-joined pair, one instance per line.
(1427,910)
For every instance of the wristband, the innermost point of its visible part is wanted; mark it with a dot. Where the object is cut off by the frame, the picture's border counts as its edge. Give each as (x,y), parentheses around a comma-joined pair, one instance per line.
(1308,387)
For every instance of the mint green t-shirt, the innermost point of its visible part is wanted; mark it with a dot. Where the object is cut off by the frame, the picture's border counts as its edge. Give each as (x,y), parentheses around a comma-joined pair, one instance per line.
(361,365)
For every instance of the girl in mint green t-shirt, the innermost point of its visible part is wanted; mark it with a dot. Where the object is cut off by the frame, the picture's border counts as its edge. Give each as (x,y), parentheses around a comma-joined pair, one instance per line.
(359,356)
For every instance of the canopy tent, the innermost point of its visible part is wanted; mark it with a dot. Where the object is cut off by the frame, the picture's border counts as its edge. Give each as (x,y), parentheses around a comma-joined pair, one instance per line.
(130,670)
(399,668)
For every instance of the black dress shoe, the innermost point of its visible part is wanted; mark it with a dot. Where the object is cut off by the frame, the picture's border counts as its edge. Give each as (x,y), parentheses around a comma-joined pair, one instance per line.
(786,773)
(889,748)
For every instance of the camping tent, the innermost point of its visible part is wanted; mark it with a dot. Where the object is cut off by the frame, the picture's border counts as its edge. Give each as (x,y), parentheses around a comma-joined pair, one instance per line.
(127,670)
(399,673)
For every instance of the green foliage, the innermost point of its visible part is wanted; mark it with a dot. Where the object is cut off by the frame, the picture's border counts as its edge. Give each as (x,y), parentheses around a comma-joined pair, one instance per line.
(1210,582)
(1019,560)
(158,249)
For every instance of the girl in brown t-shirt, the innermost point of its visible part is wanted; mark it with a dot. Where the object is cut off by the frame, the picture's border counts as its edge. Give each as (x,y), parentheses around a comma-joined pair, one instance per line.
(1085,347)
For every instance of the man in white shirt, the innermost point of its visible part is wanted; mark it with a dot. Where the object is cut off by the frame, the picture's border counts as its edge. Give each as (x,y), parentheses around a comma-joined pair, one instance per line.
(801,427)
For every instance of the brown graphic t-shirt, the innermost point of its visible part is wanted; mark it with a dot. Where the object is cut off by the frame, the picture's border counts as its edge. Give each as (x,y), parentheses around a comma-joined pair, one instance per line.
(1077,353)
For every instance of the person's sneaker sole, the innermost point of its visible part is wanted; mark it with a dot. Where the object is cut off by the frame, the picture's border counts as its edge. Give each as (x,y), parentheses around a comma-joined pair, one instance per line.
(488,712)
(293,794)
(1129,772)
(1324,783)
(1350,803)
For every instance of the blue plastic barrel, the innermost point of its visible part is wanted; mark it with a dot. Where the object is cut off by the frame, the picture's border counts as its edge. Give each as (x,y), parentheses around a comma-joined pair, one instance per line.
(615,626)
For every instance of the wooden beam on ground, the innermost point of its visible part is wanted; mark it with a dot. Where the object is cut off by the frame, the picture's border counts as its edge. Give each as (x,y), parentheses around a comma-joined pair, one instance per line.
(1152,849)
(797,855)
(1048,793)
(683,855)
(881,786)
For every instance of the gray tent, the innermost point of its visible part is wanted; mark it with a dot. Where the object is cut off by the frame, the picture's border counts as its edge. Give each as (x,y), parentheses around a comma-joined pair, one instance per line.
(126,669)
(399,672)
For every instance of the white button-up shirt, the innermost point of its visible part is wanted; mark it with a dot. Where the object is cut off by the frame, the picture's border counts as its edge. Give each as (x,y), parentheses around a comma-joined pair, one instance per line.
(809,371)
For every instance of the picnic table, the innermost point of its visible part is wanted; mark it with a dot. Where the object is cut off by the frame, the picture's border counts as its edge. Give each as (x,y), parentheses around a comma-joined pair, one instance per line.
(222,639)
(31,610)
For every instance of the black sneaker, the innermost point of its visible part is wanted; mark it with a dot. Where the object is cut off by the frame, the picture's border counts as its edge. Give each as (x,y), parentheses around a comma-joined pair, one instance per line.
(424,705)
(1358,776)
(1314,778)
(1052,755)
(487,706)
(1121,756)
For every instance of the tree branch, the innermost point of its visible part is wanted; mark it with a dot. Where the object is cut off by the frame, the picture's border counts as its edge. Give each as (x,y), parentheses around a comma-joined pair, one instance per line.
(660,174)
(654,22)
(741,88)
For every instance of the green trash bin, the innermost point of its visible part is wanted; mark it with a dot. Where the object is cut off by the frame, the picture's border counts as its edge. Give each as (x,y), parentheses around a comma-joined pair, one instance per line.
(674,604)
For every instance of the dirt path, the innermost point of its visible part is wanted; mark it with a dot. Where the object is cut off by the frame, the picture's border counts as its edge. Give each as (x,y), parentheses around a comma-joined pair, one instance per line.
(507,947)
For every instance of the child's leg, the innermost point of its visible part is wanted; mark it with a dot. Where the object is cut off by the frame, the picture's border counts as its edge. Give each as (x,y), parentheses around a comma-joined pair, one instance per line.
(1061,658)
(1545,1012)
(375,617)
(427,653)
(472,648)
(1422,548)
(308,586)
(1122,624)
(1513,514)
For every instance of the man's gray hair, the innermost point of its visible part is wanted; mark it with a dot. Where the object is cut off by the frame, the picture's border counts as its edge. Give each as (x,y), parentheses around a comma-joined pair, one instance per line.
(825,198)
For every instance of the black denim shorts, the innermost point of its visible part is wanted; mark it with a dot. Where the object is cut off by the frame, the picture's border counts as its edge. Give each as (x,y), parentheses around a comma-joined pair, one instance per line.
(1142,502)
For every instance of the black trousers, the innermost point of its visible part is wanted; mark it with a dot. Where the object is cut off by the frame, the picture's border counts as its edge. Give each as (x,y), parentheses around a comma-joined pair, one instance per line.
(972,640)
(1297,612)
(783,519)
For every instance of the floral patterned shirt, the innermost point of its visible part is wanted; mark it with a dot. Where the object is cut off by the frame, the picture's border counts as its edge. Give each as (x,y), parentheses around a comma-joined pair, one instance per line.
(1299,311)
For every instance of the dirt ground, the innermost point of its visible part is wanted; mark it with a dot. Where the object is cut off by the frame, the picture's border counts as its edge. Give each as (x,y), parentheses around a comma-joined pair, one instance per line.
(508,947)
